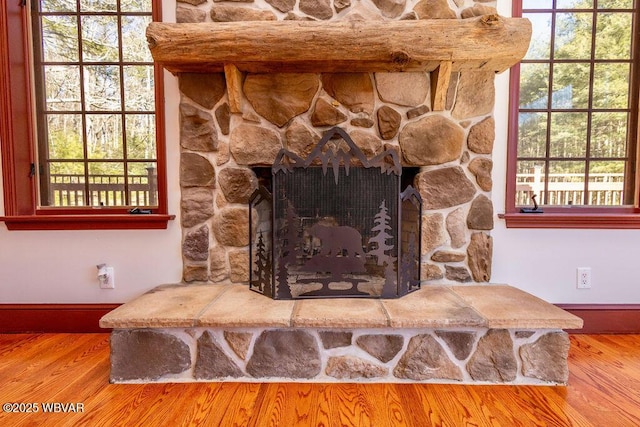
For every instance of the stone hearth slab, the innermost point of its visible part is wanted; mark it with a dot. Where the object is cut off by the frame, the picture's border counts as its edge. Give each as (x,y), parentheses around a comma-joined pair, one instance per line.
(507,307)
(168,306)
(476,334)
(227,305)
(340,313)
(432,307)
(237,306)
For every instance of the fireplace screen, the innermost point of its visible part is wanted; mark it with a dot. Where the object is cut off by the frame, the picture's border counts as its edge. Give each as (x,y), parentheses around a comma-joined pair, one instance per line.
(335,224)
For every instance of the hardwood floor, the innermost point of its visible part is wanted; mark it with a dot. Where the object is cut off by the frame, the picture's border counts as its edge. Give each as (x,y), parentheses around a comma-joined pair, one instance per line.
(603,390)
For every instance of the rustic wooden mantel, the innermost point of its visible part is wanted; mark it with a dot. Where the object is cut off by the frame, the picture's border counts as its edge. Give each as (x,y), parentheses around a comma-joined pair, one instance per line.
(489,42)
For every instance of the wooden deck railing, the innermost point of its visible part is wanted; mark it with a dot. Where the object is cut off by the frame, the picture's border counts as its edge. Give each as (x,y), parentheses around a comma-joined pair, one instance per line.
(605,189)
(103,190)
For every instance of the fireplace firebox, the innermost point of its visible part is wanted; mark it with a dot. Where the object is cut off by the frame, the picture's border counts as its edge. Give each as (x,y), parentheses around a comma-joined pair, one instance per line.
(335,224)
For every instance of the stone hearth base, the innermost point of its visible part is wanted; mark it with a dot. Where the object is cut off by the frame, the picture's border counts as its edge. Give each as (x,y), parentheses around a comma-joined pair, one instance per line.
(455,334)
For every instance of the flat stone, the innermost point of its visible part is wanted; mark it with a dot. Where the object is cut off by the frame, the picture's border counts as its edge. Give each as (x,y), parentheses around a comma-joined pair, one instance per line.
(480,214)
(196,171)
(493,359)
(354,90)
(285,354)
(432,140)
(196,206)
(335,339)
(188,15)
(456,227)
(388,122)
(475,96)
(223,116)
(205,89)
(224,154)
(432,234)
(237,184)
(231,226)
(434,9)
(300,139)
(320,9)
(218,267)
(194,272)
(460,343)
(406,89)
(193,2)
(351,367)
(481,136)
(212,362)
(383,347)
(431,307)
(464,159)
(418,111)
(197,131)
(362,122)
(279,97)
(444,188)
(239,342)
(339,313)
(195,246)
(546,359)
(223,13)
(146,355)
(391,8)
(341,5)
(369,144)
(430,272)
(448,256)
(282,5)
(164,306)
(254,145)
(507,307)
(482,168)
(480,254)
(457,274)
(232,308)
(425,359)
(524,334)
(325,114)
(239,265)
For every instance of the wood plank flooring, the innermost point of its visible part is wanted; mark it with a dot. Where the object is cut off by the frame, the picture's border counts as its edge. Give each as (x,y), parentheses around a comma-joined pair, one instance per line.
(603,390)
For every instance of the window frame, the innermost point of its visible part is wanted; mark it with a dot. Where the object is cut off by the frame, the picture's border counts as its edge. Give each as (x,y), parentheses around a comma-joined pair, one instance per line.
(577,216)
(18,143)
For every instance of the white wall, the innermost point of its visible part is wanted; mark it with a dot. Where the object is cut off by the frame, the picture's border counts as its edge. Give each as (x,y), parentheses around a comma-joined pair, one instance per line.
(544,262)
(59,266)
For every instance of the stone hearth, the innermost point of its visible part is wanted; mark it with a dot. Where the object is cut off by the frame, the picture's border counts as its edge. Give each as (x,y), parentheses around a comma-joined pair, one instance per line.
(475,334)
(235,116)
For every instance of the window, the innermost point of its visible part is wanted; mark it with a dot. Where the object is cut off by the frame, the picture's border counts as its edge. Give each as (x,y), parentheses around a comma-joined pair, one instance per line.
(574,114)
(86,122)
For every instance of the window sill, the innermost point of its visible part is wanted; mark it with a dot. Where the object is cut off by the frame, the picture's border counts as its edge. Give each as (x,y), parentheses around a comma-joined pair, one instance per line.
(87,222)
(573,220)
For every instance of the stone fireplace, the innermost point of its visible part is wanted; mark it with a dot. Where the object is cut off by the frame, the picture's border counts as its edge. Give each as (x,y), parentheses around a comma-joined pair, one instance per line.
(426,94)
(380,111)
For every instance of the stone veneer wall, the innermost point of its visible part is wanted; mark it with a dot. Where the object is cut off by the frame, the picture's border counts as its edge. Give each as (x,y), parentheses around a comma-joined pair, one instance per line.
(471,356)
(378,110)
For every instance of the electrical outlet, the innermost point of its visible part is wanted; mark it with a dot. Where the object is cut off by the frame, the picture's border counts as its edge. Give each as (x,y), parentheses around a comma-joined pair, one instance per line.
(105,277)
(583,279)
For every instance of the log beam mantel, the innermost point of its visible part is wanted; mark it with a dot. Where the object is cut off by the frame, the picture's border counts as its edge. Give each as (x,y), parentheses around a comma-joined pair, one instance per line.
(489,42)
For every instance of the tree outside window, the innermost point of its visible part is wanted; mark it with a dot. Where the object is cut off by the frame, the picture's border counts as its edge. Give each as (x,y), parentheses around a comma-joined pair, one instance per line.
(577,111)
(95,99)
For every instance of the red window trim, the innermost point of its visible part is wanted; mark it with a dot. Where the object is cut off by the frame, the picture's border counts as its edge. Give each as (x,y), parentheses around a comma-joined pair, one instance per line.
(17,146)
(575,217)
